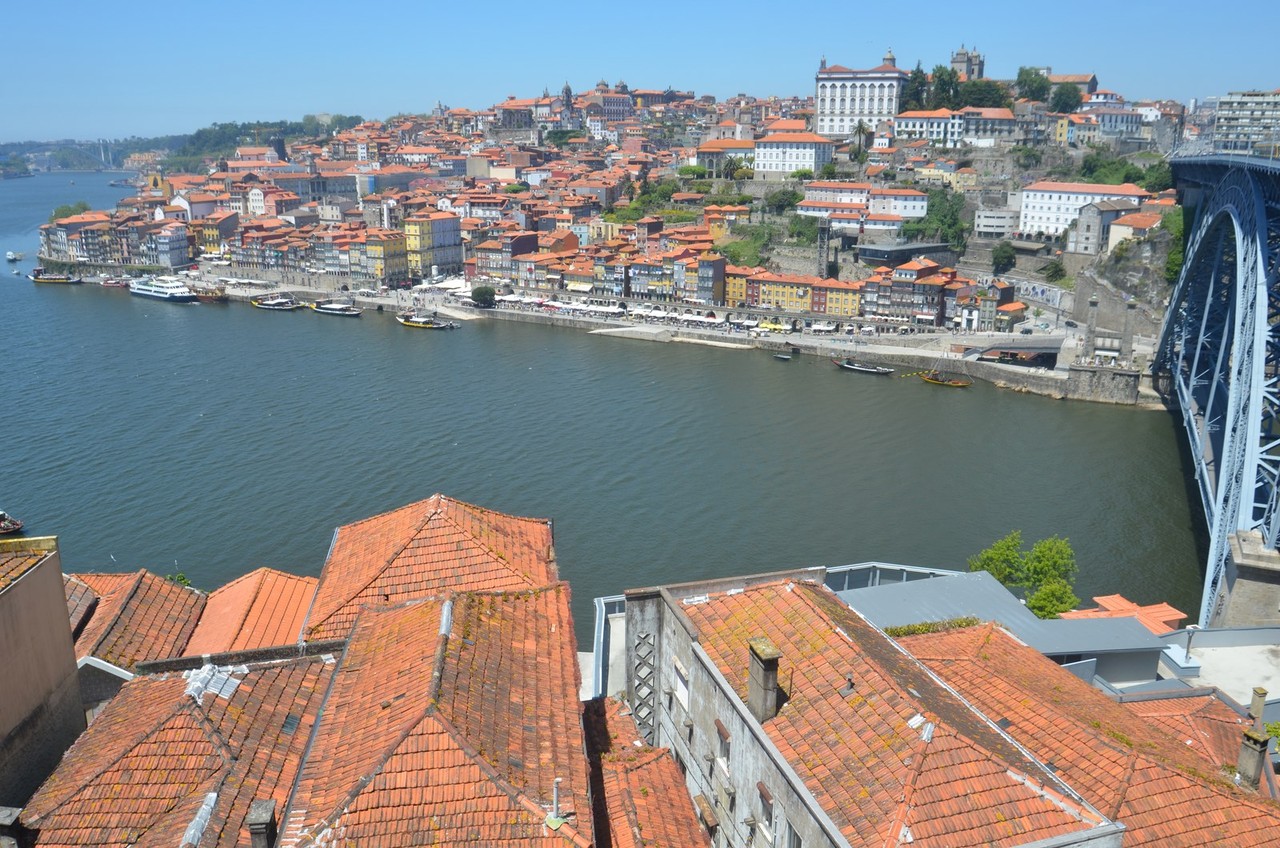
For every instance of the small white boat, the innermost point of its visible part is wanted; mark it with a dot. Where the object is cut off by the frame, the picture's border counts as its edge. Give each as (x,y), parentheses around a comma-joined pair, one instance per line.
(279,302)
(337,307)
(12,256)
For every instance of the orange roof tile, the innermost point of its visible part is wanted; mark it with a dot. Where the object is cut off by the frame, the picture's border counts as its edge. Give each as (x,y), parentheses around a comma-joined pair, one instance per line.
(81,602)
(423,549)
(262,609)
(1130,768)
(140,616)
(862,754)
(142,771)
(15,563)
(644,791)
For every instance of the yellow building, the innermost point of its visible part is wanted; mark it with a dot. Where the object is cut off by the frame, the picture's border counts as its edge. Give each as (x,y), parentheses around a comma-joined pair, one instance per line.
(735,283)
(840,298)
(788,292)
(386,255)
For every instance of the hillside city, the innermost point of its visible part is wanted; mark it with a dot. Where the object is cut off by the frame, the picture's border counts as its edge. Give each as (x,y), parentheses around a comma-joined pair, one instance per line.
(428,688)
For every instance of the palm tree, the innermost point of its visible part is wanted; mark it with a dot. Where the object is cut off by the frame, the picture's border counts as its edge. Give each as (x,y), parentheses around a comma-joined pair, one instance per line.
(861,130)
(729,166)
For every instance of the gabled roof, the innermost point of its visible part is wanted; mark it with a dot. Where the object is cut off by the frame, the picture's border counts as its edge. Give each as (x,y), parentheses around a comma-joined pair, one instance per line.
(421,550)
(1119,762)
(151,759)
(262,609)
(81,602)
(895,753)
(454,717)
(140,616)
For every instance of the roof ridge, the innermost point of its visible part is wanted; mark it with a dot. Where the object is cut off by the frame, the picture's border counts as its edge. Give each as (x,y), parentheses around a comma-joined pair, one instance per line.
(127,596)
(921,751)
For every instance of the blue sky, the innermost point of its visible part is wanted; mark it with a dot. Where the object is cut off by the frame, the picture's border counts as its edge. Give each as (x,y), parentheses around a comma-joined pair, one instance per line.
(90,70)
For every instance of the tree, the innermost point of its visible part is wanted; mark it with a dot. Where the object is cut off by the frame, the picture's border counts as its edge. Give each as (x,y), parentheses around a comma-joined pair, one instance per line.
(1026,157)
(828,171)
(695,172)
(1158,177)
(1003,560)
(1065,98)
(1052,598)
(66,210)
(984,93)
(1174,223)
(1046,572)
(944,91)
(861,130)
(1054,271)
(743,174)
(915,92)
(1003,258)
(730,165)
(802,174)
(484,296)
(782,199)
(1032,84)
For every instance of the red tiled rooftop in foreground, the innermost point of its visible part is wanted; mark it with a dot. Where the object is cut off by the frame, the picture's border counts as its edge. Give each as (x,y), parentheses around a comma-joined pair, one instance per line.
(423,549)
(648,802)
(262,609)
(150,759)
(81,602)
(140,616)
(1165,791)
(453,716)
(862,753)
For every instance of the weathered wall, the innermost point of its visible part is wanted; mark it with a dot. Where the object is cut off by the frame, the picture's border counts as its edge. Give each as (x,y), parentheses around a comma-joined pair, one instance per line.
(40,714)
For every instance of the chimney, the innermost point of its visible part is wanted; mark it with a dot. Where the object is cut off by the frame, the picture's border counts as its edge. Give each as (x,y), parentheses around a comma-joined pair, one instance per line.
(1253,753)
(261,822)
(762,679)
(1257,705)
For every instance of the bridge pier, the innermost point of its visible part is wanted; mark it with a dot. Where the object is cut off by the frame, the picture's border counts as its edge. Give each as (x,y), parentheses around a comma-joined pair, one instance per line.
(1251,591)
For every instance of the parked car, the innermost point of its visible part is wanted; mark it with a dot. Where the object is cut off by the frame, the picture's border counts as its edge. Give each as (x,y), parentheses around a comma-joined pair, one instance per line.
(1026,331)
(1070,323)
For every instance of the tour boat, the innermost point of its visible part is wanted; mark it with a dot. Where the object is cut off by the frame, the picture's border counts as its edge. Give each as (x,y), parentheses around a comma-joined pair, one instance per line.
(114,283)
(849,364)
(425,322)
(941,378)
(40,275)
(281,302)
(9,524)
(168,289)
(337,307)
(211,294)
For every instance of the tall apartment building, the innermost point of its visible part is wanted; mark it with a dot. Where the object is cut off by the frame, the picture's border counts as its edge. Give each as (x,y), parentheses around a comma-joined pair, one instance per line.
(1245,120)
(846,97)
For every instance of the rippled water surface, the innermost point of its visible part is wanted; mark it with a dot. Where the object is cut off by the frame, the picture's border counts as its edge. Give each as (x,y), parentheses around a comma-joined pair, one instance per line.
(216,439)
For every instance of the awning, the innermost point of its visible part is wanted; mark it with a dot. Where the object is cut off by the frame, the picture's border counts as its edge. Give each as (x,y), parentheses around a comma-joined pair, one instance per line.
(581,287)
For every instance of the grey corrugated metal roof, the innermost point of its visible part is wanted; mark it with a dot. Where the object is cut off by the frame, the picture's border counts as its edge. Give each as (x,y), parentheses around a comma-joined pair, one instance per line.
(981,595)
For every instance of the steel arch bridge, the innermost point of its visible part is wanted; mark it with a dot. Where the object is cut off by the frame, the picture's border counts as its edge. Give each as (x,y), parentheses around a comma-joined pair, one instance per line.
(1219,354)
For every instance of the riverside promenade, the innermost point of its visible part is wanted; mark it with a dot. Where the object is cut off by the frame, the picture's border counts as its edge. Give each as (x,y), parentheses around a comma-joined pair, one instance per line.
(906,353)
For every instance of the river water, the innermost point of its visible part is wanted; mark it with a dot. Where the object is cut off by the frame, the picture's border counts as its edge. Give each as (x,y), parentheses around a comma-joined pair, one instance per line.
(216,439)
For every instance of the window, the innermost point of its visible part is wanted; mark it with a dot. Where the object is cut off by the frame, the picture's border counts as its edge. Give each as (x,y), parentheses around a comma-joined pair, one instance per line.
(722,755)
(681,682)
(793,838)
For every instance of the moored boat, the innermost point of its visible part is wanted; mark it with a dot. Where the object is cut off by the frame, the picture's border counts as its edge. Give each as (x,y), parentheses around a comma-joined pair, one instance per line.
(169,289)
(420,321)
(282,302)
(9,524)
(113,283)
(940,378)
(850,364)
(211,294)
(13,256)
(41,275)
(337,307)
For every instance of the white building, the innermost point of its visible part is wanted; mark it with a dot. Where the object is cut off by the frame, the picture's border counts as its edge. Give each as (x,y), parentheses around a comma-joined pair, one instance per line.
(1050,207)
(824,198)
(939,126)
(846,97)
(1246,119)
(778,155)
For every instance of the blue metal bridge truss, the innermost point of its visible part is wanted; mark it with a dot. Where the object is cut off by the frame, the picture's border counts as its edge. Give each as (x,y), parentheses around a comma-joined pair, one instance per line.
(1219,352)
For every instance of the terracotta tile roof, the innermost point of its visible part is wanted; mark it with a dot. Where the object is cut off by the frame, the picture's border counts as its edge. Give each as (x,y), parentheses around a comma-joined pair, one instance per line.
(1124,190)
(81,602)
(867,756)
(262,609)
(1203,721)
(424,549)
(1129,768)
(645,793)
(466,731)
(1158,618)
(142,771)
(15,563)
(140,616)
